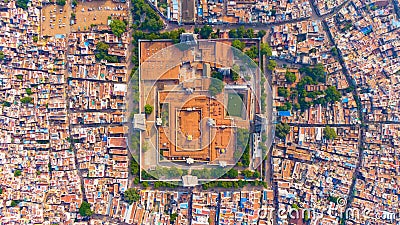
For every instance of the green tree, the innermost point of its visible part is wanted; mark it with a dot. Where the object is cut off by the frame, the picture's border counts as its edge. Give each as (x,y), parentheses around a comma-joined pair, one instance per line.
(84,209)
(306,216)
(17,173)
(235,72)
(261,33)
(282,130)
(134,167)
(334,51)
(295,206)
(252,52)
(242,138)
(247,173)
(217,75)
(131,195)
(22,4)
(74,3)
(290,77)
(332,94)
(241,32)
(232,173)
(232,34)
(28,91)
(283,92)
(265,49)
(26,100)
(148,109)
(6,104)
(14,203)
(234,75)
(61,2)
(173,217)
(216,87)
(271,65)
(249,33)
(330,133)
(118,27)
(154,24)
(296,106)
(102,53)
(317,73)
(2,56)
(206,31)
(238,44)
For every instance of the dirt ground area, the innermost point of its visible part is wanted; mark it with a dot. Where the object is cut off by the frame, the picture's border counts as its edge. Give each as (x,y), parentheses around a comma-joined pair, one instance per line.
(55,21)
(97,12)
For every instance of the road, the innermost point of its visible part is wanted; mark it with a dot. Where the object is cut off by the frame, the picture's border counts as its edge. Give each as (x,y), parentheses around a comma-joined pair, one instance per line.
(361,138)
(256,26)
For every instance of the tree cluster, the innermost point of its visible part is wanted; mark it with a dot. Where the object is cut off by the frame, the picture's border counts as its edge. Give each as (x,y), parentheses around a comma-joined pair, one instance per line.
(250,174)
(14,203)
(282,130)
(22,4)
(118,27)
(285,107)
(330,133)
(312,77)
(159,184)
(232,184)
(317,73)
(6,104)
(205,32)
(252,53)
(271,65)
(131,195)
(61,2)
(238,44)
(148,109)
(17,173)
(232,174)
(263,95)
(145,17)
(283,92)
(84,209)
(26,100)
(290,77)
(216,87)
(241,32)
(102,53)
(265,50)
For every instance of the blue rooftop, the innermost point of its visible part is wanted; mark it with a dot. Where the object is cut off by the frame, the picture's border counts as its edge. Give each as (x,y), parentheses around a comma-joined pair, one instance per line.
(183,206)
(284,113)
